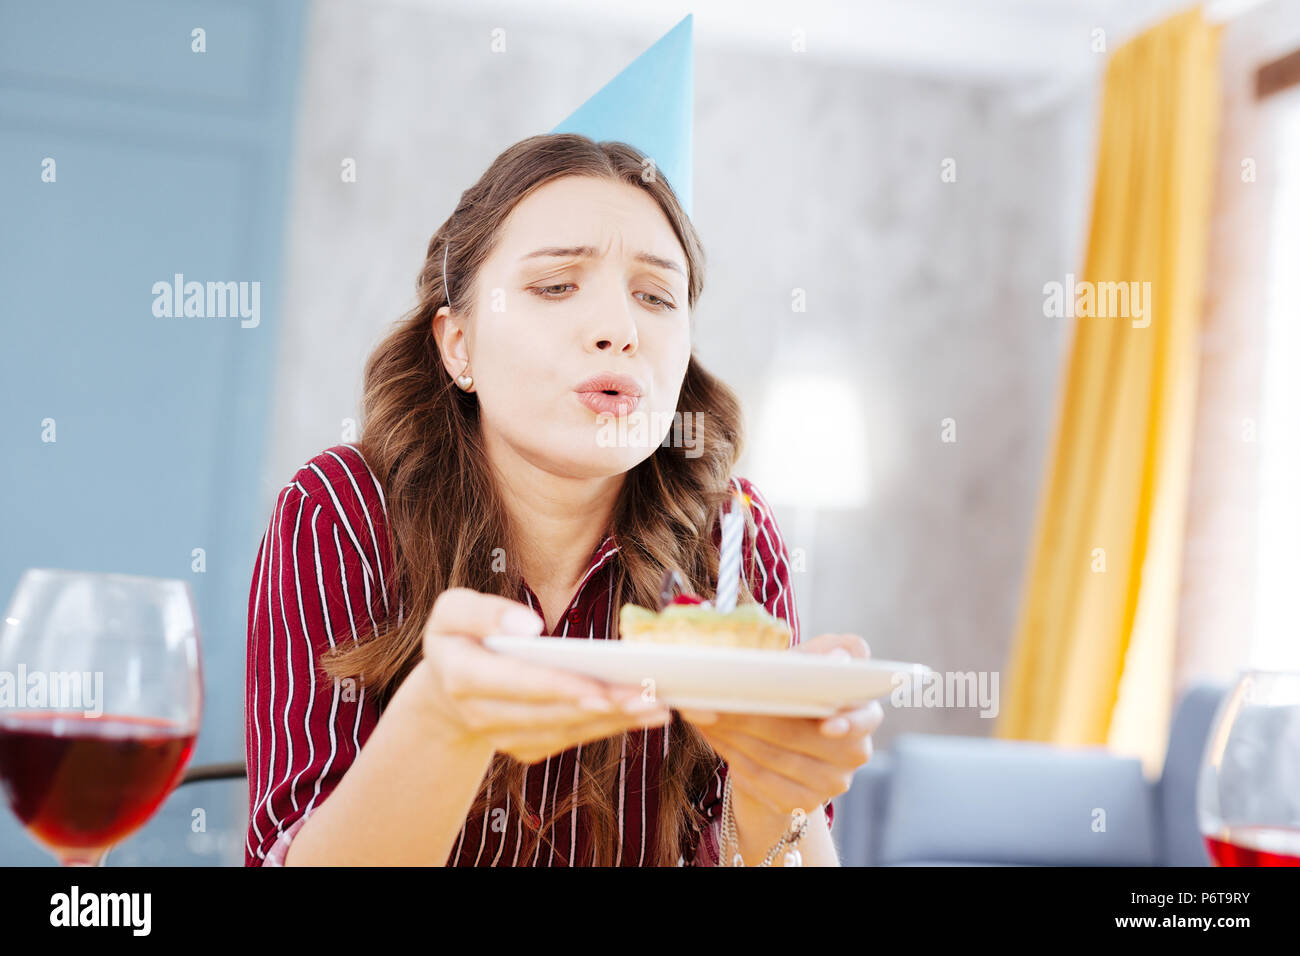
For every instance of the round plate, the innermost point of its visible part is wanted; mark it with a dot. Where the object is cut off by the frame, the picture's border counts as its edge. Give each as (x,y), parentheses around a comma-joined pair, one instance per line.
(727,680)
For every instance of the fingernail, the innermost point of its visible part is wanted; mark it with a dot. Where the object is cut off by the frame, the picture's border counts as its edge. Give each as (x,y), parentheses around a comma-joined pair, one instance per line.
(599,704)
(516,620)
(837,726)
(841,654)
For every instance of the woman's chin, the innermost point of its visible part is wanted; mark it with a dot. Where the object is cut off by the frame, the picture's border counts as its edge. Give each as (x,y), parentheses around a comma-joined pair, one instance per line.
(597,460)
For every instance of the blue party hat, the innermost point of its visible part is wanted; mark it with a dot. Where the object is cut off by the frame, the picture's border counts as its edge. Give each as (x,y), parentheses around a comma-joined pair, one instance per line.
(650,105)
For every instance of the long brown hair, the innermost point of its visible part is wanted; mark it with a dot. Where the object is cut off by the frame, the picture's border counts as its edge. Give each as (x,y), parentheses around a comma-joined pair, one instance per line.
(421,438)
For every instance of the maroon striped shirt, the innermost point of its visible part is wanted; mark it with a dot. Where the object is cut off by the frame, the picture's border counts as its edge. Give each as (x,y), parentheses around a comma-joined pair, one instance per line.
(321,576)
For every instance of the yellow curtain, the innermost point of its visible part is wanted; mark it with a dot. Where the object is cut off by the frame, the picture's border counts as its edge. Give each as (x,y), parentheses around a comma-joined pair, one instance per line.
(1091,662)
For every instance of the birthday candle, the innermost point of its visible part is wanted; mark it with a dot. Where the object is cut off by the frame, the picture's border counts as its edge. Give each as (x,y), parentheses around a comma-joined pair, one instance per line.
(733,524)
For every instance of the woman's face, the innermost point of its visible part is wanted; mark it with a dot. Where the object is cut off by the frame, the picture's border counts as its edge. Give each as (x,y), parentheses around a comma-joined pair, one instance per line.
(586,279)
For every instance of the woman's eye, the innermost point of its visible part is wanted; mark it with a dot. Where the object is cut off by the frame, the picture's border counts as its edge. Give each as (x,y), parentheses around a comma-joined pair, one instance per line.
(543,289)
(659,303)
(556,290)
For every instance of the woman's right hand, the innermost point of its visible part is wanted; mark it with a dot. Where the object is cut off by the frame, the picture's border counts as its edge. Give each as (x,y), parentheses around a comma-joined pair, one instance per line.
(522,709)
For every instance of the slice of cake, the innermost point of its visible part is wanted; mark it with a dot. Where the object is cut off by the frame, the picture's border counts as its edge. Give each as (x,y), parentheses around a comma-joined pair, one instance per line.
(689,620)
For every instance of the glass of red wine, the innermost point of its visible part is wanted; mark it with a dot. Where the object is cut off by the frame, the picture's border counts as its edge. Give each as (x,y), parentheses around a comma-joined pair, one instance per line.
(1248,795)
(100,697)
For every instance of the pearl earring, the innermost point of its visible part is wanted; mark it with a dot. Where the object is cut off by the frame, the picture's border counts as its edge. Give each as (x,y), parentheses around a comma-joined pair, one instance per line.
(465,381)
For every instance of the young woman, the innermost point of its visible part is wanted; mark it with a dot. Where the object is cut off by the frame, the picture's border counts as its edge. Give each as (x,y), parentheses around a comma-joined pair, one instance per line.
(489,494)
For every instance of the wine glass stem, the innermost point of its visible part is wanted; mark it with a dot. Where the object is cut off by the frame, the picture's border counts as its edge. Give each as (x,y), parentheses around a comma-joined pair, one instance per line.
(86,860)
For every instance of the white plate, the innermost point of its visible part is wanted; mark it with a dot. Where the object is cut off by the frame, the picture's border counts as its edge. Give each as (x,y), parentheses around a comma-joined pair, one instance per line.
(728,680)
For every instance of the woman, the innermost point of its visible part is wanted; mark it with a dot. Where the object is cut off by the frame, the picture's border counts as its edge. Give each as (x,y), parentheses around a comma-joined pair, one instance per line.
(490,495)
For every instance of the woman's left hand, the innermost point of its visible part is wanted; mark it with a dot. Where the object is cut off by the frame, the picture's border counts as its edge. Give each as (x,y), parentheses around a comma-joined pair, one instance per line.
(778,764)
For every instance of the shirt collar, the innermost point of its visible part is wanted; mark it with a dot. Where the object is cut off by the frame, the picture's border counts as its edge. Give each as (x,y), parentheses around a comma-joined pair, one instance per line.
(599,558)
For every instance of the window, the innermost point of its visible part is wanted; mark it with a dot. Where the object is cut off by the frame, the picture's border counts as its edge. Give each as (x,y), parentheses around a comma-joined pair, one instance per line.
(1276,643)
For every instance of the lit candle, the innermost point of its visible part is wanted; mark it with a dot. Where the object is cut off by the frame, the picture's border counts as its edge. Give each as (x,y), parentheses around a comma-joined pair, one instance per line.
(733,525)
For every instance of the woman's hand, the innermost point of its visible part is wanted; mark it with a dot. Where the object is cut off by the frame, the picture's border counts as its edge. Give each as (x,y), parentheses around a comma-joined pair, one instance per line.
(778,764)
(522,709)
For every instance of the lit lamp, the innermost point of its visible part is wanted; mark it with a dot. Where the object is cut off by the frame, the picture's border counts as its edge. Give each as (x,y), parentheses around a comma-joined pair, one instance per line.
(810,454)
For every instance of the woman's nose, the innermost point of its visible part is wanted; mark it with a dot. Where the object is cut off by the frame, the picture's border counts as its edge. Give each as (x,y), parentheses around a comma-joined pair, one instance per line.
(615,330)
(612,345)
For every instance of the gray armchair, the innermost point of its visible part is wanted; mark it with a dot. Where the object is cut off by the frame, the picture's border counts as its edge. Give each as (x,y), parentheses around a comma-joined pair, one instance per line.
(975,801)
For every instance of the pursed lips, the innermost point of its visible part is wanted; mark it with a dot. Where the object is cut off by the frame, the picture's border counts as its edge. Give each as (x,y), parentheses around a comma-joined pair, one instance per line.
(610,393)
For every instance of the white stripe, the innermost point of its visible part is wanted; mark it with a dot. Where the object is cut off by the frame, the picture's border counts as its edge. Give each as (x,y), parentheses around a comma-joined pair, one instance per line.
(352,623)
(519,828)
(311,669)
(555,797)
(609,609)
(528,595)
(501,844)
(264,791)
(379,554)
(573,815)
(542,807)
(329,633)
(365,510)
(596,567)
(368,570)
(487,818)
(785,595)
(275,581)
(645,753)
(343,516)
(273,534)
(519,841)
(253,676)
(577,764)
(288,650)
(622,790)
(541,804)
(373,480)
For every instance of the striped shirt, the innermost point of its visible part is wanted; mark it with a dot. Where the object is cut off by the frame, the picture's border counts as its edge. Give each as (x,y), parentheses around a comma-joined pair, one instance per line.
(322,575)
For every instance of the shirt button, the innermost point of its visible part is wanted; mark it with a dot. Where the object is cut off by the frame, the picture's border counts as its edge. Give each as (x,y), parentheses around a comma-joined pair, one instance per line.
(575,616)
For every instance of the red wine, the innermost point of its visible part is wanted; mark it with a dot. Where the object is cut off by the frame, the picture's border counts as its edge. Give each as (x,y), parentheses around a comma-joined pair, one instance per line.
(1244,846)
(86,782)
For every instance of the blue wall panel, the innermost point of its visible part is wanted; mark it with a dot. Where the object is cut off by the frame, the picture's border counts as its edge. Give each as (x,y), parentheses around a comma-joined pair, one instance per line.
(167,161)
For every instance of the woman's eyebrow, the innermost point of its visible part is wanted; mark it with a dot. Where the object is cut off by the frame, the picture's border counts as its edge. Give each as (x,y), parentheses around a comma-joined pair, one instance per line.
(588,252)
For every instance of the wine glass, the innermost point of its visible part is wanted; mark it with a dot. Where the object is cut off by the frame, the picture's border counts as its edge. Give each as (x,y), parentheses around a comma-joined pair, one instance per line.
(102,707)
(1248,795)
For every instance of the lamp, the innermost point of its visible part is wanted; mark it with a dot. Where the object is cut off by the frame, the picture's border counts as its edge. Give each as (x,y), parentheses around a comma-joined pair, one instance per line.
(811,449)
